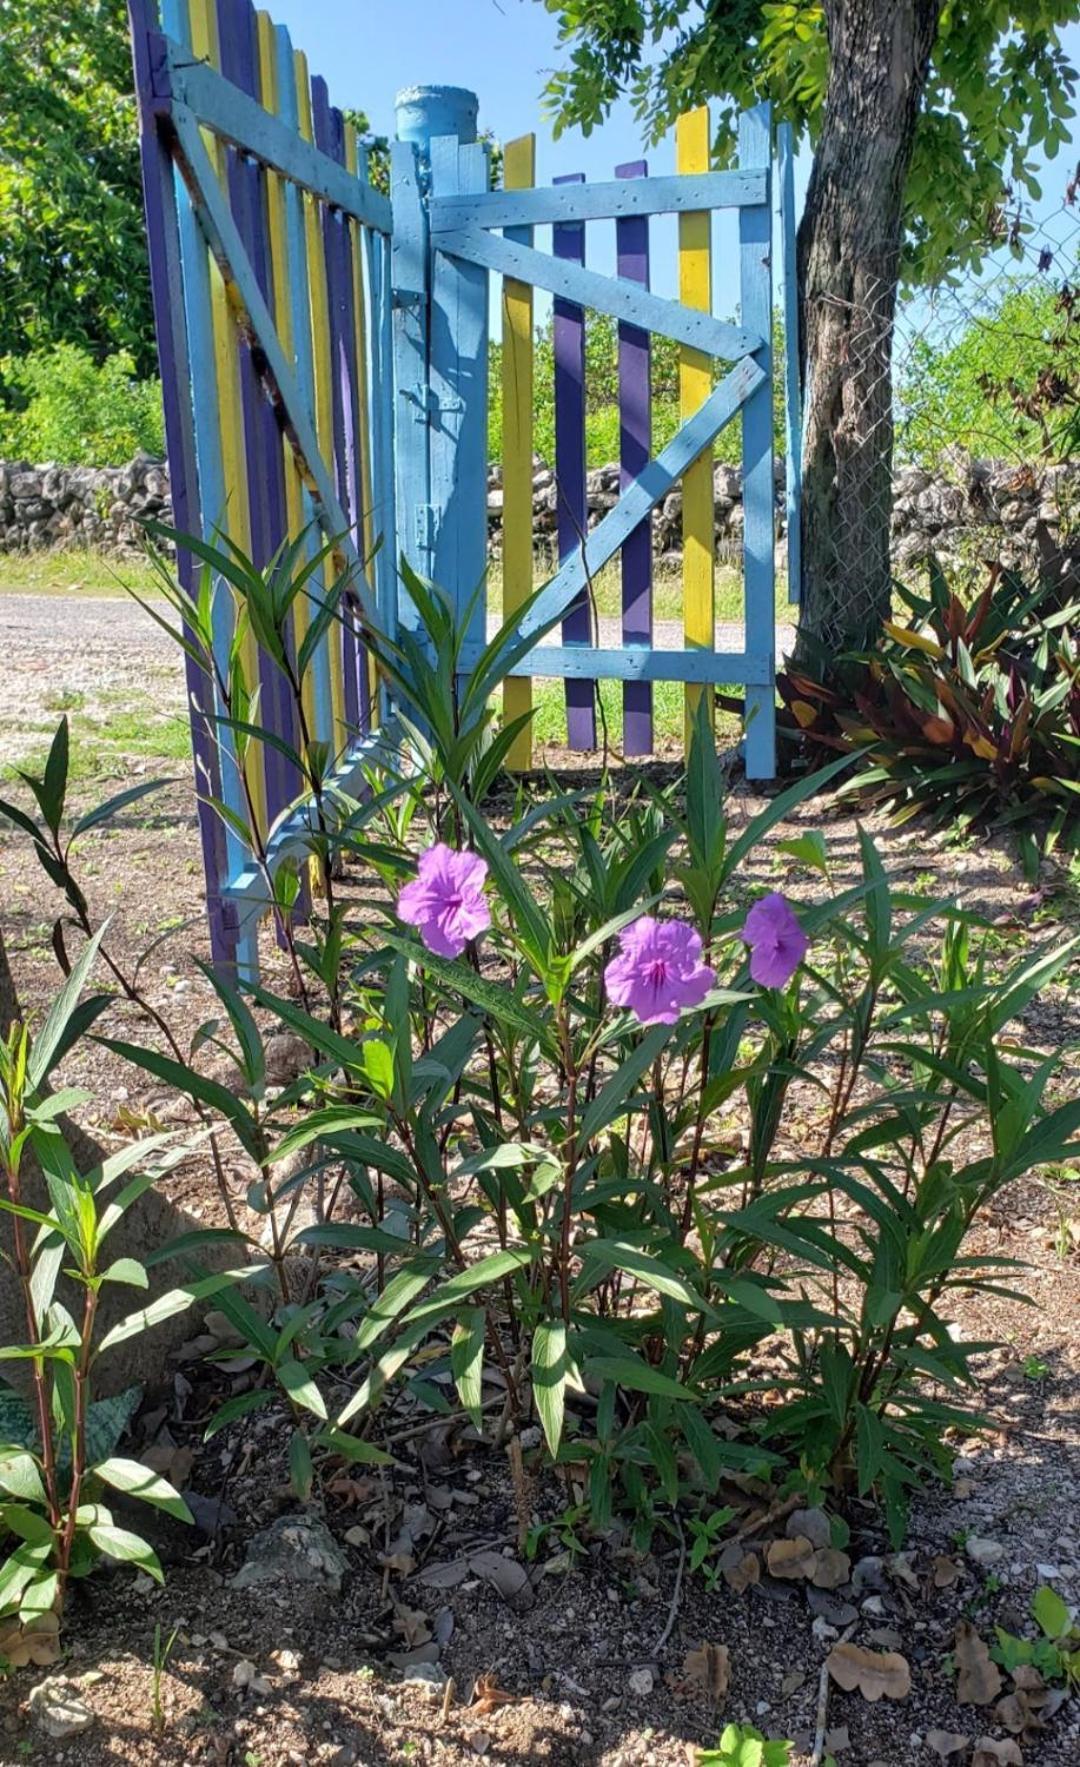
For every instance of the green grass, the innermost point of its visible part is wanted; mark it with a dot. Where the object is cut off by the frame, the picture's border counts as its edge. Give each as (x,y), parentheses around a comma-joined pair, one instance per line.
(549,715)
(83,570)
(101,747)
(667,593)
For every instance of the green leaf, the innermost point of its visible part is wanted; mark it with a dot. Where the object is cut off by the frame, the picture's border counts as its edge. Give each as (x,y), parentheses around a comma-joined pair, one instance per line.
(136,1480)
(550,1367)
(298,1383)
(1050,1613)
(639,1376)
(129,1548)
(94,818)
(177,1300)
(204,1091)
(20,1478)
(127,1270)
(301,1470)
(610,1101)
(43,1052)
(611,1254)
(486,1270)
(869,1447)
(467,1361)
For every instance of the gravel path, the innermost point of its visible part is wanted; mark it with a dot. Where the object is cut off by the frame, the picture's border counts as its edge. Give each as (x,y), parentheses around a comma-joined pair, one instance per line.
(96,653)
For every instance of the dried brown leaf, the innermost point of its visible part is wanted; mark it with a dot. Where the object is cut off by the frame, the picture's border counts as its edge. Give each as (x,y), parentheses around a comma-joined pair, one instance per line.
(831,1569)
(876,1674)
(488,1696)
(946,1742)
(709,1668)
(37,1642)
(740,1569)
(946,1571)
(978,1680)
(791,1558)
(989,1753)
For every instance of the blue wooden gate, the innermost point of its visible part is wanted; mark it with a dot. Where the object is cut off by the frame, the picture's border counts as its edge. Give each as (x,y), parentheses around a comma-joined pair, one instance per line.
(324,355)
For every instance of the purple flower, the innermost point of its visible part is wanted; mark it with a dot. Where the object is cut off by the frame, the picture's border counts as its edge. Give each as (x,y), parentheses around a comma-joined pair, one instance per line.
(446,899)
(658,970)
(776,940)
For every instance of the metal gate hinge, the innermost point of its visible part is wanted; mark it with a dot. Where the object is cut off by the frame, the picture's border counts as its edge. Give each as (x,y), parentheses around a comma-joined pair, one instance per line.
(424,518)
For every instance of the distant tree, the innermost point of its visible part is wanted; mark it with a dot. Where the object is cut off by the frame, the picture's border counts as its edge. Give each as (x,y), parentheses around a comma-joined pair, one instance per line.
(922,113)
(73,264)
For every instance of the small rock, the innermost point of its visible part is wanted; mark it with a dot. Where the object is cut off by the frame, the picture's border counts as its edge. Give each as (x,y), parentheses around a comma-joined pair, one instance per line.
(869,1573)
(641,1683)
(813,1523)
(294,1549)
(983,1552)
(429,1677)
(56,1705)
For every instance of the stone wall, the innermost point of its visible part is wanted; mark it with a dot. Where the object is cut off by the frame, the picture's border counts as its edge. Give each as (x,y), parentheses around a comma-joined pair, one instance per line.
(63,506)
(1025,515)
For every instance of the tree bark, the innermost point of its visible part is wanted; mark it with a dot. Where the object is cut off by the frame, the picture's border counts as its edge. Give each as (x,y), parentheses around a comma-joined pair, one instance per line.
(849,248)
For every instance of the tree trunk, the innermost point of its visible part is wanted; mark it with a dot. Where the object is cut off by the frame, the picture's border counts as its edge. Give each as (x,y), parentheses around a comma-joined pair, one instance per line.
(849,258)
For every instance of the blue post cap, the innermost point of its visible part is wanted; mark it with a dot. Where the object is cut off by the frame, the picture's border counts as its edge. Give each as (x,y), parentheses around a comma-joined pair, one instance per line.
(426,112)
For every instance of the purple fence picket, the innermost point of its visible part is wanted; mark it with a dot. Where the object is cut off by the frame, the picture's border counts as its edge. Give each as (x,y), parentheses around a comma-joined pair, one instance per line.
(265,465)
(166,284)
(635,449)
(333,232)
(568,339)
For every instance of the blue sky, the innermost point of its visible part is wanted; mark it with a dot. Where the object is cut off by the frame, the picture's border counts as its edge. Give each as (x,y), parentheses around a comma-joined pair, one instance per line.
(504,50)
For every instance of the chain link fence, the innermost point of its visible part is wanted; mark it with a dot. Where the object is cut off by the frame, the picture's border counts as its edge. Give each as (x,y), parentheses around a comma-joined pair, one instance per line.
(984,462)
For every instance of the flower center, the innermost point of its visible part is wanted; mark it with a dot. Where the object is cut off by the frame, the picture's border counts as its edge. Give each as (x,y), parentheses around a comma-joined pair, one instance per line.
(657,972)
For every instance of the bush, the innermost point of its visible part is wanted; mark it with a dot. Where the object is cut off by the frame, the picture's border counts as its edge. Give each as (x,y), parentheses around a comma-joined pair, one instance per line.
(622,1154)
(67,408)
(969,712)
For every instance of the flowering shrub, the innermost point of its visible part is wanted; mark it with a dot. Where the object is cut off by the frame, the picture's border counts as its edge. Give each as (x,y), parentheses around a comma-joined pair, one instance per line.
(623,1145)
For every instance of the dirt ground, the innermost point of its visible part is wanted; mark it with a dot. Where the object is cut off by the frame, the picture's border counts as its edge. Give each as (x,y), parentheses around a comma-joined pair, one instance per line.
(584,1656)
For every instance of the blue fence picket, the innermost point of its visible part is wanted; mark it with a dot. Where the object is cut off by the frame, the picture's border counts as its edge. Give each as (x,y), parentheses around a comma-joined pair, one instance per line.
(572,517)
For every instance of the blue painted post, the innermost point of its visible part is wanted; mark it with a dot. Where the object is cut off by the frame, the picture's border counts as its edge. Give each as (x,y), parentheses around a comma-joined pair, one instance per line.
(759,567)
(568,343)
(457,380)
(789,285)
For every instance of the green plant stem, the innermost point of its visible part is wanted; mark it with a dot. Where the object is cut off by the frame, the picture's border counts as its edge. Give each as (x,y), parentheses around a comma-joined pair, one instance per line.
(78,1444)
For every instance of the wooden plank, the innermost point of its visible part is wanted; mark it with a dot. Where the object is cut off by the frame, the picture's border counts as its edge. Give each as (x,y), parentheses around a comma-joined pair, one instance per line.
(329,680)
(572,661)
(519,172)
(457,412)
(161,198)
(220,229)
(237,119)
(607,294)
(262,439)
(635,449)
(597,202)
(658,478)
(759,493)
(572,504)
(198,281)
(789,291)
(409,296)
(381,347)
(356,163)
(692,150)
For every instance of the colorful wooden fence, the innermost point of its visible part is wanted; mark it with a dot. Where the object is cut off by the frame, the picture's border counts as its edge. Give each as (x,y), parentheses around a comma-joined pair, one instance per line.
(324,355)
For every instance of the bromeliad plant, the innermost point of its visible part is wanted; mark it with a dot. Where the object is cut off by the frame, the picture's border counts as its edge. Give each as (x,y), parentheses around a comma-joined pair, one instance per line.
(968,713)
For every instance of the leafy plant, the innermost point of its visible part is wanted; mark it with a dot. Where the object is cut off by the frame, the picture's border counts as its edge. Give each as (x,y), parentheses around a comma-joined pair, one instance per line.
(1055,1654)
(969,713)
(52,1491)
(66,407)
(741,1745)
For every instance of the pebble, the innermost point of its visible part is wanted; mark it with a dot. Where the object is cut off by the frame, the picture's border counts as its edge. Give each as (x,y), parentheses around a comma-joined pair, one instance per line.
(57,1706)
(983,1552)
(641,1683)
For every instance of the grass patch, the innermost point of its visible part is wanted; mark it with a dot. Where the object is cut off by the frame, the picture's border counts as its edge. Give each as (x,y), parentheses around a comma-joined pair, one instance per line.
(549,714)
(667,595)
(80,571)
(101,747)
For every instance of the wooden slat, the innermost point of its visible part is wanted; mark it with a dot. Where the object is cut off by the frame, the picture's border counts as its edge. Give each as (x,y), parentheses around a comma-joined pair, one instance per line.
(356,164)
(606,294)
(572,504)
(458,375)
(163,201)
(597,202)
(330,710)
(785,171)
(635,448)
(654,483)
(236,118)
(519,172)
(695,376)
(574,661)
(758,487)
(408,260)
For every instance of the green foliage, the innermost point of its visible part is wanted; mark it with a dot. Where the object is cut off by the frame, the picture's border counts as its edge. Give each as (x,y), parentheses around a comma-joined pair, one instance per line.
(970,712)
(602,442)
(66,408)
(999,91)
(73,263)
(1055,1653)
(546,1189)
(741,1745)
(1007,388)
(54,1521)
